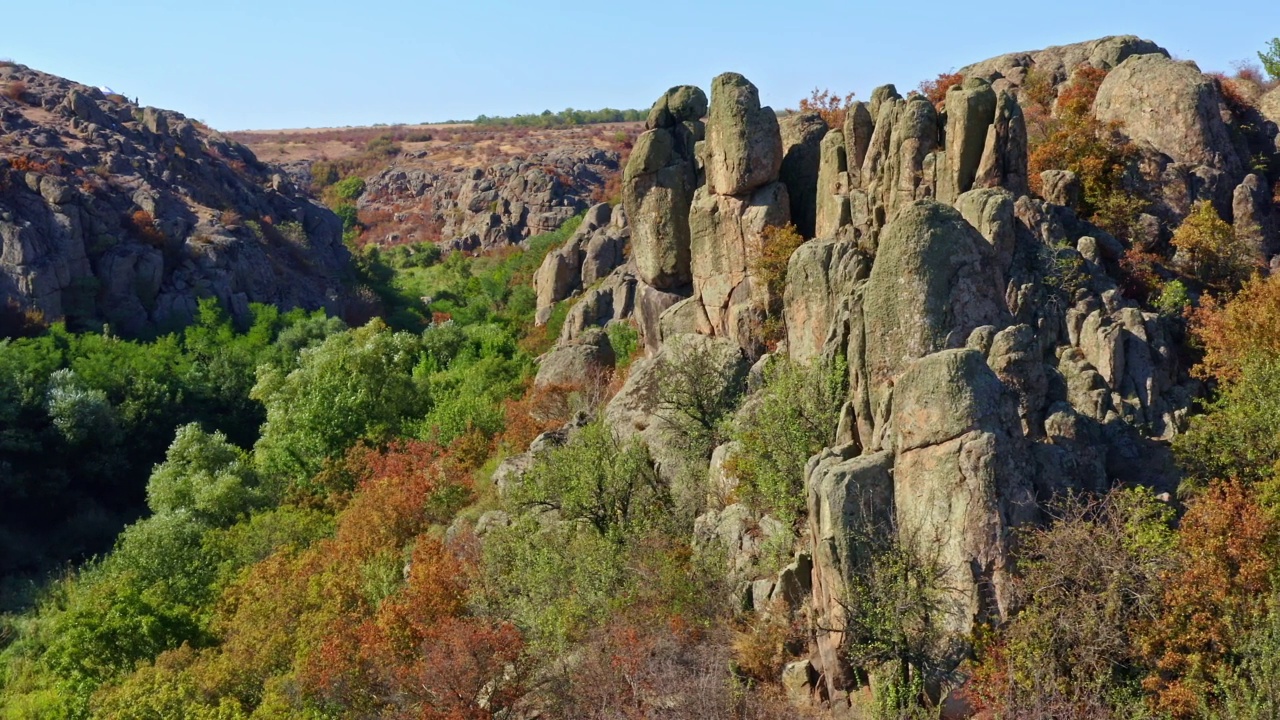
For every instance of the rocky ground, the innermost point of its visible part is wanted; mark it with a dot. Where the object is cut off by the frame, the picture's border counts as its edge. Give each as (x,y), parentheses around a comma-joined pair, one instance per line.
(115,213)
(467,187)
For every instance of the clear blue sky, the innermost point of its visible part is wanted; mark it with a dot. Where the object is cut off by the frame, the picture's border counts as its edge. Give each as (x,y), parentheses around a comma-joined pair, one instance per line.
(240,64)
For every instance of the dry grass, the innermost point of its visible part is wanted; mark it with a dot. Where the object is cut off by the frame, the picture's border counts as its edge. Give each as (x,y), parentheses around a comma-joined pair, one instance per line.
(15,90)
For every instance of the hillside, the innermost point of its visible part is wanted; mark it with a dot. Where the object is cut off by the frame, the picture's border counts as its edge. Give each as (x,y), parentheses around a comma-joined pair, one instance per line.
(464,186)
(115,213)
(959,402)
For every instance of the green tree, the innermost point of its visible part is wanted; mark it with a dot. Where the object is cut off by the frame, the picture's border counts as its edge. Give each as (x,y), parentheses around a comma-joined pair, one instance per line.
(1271,59)
(358,384)
(597,479)
(205,476)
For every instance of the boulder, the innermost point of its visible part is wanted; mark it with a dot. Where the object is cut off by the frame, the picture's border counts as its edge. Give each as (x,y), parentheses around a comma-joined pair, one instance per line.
(1171,107)
(744,146)
(680,104)
(575,362)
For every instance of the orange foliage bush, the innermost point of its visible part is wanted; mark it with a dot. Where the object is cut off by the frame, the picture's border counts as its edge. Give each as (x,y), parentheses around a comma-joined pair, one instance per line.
(144,226)
(1139,279)
(936,89)
(353,618)
(539,410)
(22,163)
(1074,139)
(831,107)
(1234,331)
(1227,541)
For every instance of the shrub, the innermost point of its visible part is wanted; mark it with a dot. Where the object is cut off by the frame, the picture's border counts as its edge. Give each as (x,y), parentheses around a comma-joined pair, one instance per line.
(1097,152)
(1210,252)
(1237,436)
(625,341)
(830,106)
(936,89)
(1085,581)
(795,416)
(349,189)
(598,480)
(694,395)
(1173,299)
(15,90)
(1235,333)
(146,229)
(1227,543)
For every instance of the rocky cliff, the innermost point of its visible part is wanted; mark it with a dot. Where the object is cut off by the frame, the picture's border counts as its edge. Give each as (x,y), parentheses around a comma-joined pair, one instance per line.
(993,361)
(128,215)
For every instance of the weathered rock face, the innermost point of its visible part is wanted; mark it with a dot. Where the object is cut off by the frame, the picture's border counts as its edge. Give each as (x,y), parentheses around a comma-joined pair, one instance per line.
(1171,107)
(728,236)
(802,137)
(593,252)
(850,503)
(658,186)
(821,278)
(931,284)
(971,110)
(960,480)
(730,214)
(114,213)
(487,207)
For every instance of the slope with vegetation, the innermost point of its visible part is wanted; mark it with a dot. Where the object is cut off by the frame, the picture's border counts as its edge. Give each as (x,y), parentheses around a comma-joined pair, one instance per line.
(947,405)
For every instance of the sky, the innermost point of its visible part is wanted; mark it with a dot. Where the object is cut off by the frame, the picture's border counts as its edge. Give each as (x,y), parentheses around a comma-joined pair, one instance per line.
(270,64)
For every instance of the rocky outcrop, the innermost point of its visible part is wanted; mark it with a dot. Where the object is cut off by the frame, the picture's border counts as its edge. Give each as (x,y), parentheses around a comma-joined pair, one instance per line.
(658,186)
(115,213)
(802,136)
(474,208)
(1058,62)
(590,255)
(730,214)
(993,361)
